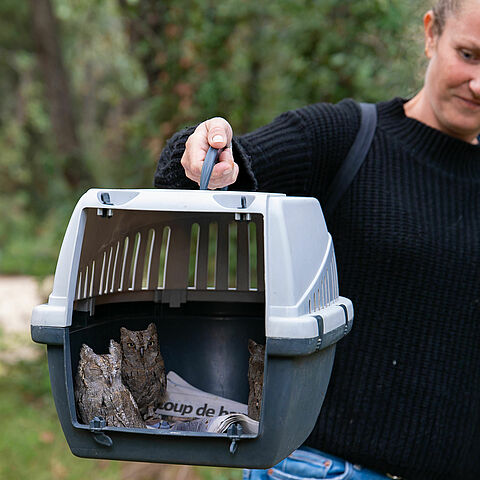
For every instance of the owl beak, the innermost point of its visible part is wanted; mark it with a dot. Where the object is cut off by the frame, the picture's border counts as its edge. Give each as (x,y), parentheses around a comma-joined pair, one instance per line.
(110,380)
(142,350)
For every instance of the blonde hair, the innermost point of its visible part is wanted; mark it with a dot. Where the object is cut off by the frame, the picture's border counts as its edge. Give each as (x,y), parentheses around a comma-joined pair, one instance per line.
(441,11)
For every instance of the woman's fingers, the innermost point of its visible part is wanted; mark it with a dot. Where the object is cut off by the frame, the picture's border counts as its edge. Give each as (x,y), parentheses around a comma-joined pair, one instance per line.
(217,133)
(225,172)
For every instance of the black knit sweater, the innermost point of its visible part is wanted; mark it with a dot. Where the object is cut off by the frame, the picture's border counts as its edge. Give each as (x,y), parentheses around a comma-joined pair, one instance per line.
(404,397)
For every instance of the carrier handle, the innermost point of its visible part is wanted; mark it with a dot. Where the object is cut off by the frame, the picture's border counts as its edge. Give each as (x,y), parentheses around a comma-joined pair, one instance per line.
(210,160)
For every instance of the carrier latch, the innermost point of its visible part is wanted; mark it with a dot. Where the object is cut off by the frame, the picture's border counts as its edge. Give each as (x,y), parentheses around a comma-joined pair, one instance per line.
(234,433)
(243,217)
(96,427)
(105,212)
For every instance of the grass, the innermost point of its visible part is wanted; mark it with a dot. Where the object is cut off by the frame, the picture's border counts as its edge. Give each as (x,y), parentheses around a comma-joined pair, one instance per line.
(32,444)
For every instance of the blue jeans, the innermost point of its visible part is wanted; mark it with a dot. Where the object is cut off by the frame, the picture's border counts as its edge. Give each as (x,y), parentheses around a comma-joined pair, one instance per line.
(308,463)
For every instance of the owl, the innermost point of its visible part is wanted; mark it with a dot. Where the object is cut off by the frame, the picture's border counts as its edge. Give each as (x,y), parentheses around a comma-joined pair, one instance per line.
(99,390)
(143,369)
(256,363)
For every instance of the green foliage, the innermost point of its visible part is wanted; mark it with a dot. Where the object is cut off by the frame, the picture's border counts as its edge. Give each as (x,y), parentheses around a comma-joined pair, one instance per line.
(220,473)
(142,69)
(251,61)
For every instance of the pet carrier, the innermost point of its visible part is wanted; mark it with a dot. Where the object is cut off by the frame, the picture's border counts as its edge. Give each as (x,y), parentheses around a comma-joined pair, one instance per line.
(211,270)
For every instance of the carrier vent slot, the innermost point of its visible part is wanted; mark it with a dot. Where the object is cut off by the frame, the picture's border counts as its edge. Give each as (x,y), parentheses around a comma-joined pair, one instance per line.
(125,257)
(253,255)
(102,274)
(193,260)
(202,264)
(134,261)
(79,285)
(115,267)
(165,243)
(155,258)
(324,292)
(109,273)
(85,285)
(212,254)
(242,256)
(92,279)
(140,260)
(232,256)
(221,272)
(147,259)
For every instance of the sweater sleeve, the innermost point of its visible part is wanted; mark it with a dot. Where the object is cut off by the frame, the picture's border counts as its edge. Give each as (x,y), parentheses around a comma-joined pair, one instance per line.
(169,172)
(297,154)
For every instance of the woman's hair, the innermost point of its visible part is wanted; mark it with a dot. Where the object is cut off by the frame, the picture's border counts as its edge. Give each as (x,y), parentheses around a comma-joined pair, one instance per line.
(441,11)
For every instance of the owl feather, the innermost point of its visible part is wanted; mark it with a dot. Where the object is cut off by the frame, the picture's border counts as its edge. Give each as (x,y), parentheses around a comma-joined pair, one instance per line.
(99,391)
(143,368)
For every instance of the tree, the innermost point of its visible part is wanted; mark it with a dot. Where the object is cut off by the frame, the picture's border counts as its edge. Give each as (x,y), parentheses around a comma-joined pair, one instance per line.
(57,87)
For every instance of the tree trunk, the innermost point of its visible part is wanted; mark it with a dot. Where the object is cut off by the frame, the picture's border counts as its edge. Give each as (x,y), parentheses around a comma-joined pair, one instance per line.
(57,90)
(145,24)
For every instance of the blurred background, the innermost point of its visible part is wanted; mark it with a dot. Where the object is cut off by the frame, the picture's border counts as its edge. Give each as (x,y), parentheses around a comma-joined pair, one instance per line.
(91,90)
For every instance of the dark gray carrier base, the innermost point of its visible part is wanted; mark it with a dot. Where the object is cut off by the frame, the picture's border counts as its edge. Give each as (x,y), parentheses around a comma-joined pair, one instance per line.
(294,385)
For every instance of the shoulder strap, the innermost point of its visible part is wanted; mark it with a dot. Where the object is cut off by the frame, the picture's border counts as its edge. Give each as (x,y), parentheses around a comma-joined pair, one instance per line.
(355,157)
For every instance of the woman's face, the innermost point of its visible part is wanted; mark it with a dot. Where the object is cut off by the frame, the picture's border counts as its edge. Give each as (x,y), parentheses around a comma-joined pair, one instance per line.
(452,82)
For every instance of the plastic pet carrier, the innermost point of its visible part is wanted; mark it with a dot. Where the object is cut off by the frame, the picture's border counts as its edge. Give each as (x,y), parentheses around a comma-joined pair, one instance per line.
(211,270)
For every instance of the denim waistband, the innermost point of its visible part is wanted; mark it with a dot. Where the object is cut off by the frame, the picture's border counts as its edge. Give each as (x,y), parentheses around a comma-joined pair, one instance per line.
(310,464)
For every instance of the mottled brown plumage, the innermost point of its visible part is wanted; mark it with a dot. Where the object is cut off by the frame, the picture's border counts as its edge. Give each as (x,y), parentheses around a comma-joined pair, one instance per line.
(143,369)
(256,363)
(99,390)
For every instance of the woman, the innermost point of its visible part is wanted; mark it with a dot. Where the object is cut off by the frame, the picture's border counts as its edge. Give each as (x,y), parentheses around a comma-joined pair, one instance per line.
(404,397)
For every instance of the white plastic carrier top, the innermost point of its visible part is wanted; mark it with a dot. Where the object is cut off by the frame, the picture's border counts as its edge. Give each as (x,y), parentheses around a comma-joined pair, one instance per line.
(298,265)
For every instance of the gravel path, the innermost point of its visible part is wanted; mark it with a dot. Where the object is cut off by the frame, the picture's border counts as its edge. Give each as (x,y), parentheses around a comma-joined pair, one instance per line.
(18,296)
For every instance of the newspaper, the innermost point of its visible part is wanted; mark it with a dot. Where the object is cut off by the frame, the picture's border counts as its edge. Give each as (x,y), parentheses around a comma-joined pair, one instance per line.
(185,400)
(218,424)
(200,411)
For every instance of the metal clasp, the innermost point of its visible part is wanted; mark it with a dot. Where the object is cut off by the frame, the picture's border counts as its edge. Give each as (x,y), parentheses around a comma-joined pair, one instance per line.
(234,432)
(96,427)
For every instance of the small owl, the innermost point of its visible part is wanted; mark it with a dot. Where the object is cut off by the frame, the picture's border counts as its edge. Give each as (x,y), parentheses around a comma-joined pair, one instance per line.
(99,390)
(256,363)
(143,369)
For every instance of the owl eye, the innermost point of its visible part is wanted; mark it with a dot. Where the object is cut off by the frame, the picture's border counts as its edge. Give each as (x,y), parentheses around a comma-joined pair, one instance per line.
(150,343)
(130,344)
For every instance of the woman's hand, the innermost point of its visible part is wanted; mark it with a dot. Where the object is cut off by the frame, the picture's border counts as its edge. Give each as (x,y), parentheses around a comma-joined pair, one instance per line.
(216,133)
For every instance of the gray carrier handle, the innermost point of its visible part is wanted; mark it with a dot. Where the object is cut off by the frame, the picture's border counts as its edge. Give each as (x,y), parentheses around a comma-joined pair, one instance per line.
(210,160)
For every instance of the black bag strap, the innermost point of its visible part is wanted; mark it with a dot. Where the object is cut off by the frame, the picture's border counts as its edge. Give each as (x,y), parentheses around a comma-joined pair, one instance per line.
(355,157)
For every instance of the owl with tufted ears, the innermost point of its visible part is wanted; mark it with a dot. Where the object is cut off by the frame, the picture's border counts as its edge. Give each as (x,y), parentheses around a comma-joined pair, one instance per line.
(256,366)
(143,369)
(99,391)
